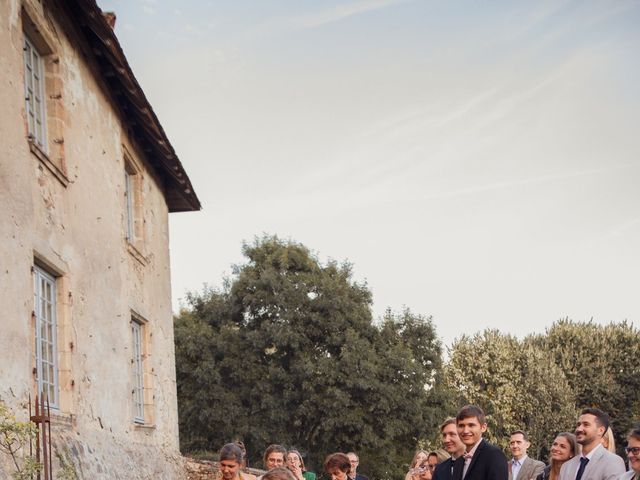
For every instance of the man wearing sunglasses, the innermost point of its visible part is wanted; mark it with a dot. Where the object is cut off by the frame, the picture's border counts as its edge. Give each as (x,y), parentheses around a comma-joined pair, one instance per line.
(633,454)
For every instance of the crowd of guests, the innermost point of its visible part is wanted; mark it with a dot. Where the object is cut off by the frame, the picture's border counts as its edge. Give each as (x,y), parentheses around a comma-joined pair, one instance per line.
(586,454)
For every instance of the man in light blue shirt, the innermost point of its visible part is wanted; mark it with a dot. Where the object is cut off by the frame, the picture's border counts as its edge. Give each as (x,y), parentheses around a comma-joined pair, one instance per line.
(521,467)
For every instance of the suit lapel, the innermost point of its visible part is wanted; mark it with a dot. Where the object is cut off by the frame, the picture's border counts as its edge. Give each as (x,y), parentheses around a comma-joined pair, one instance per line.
(448,469)
(524,469)
(475,455)
(458,466)
(597,455)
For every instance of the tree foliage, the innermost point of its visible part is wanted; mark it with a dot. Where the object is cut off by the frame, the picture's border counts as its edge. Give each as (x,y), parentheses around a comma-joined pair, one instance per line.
(14,437)
(602,366)
(287,353)
(539,384)
(517,385)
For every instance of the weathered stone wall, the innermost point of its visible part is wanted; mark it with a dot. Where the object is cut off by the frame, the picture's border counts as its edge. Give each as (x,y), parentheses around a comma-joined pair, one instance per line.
(74,226)
(207,470)
(201,469)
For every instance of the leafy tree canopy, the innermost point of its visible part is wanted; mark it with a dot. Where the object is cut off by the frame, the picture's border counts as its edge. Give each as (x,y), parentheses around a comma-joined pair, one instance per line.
(287,352)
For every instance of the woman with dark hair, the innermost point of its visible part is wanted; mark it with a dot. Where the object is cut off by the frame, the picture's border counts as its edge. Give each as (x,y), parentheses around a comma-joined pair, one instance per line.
(337,465)
(232,460)
(562,449)
(295,463)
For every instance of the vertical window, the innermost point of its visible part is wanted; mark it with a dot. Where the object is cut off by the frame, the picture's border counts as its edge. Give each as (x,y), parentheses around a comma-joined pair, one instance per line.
(34,94)
(138,372)
(46,326)
(130,198)
(133,213)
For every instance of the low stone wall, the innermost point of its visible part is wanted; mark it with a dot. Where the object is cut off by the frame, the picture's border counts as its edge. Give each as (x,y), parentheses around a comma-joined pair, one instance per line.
(207,470)
(97,457)
(201,469)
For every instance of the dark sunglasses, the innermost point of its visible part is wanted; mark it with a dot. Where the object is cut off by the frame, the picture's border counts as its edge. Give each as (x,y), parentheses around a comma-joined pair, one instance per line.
(634,450)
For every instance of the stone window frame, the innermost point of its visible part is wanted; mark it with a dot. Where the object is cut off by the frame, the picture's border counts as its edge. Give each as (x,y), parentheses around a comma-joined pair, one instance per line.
(134,226)
(34,95)
(142,397)
(46,260)
(138,371)
(45,310)
(49,148)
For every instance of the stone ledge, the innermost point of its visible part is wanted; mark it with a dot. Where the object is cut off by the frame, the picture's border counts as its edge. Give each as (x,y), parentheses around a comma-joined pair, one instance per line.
(46,161)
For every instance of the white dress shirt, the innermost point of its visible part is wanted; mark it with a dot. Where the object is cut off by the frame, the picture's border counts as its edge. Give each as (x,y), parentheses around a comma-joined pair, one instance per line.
(588,455)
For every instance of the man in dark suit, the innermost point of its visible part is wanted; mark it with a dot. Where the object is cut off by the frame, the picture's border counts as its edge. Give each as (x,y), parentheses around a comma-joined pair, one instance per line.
(481,460)
(355,461)
(454,447)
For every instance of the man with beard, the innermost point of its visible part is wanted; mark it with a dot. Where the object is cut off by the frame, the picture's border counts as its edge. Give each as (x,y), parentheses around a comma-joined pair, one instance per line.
(454,447)
(595,462)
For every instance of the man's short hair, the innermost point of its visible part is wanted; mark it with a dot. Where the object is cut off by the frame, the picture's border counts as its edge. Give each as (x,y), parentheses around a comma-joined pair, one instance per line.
(525,437)
(338,461)
(279,473)
(448,421)
(469,411)
(354,454)
(274,448)
(634,433)
(602,419)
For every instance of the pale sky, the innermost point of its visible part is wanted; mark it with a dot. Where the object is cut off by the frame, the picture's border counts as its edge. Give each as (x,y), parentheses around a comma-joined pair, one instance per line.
(476,161)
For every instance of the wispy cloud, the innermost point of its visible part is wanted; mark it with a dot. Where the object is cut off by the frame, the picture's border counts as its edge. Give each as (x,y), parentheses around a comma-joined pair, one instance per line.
(340,12)
(477,189)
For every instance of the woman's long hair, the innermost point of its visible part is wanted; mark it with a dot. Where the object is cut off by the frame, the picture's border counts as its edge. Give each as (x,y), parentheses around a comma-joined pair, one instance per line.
(555,466)
(415,458)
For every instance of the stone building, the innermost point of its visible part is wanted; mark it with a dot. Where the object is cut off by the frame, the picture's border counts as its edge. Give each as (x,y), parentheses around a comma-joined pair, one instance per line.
(87,180)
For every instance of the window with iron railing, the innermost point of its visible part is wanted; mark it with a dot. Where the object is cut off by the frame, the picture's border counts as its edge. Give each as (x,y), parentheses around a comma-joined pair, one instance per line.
(138,372)
(46,335)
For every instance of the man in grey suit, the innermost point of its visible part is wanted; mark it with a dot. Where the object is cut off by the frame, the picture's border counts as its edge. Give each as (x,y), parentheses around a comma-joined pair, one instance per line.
(521,467)
(595,462)
(633,454)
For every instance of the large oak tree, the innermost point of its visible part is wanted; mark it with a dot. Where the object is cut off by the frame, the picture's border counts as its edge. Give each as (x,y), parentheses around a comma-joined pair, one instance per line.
(287,352)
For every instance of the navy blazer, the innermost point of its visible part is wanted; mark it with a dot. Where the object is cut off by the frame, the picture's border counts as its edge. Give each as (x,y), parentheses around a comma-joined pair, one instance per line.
(444,470)
(488,463)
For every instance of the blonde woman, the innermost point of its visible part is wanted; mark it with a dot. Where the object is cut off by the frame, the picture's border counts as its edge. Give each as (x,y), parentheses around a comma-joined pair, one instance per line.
(423,471)
(418,458)
(608,441)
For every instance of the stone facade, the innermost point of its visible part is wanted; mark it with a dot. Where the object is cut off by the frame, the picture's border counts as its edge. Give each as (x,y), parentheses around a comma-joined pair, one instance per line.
(86,211)
(208,470)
